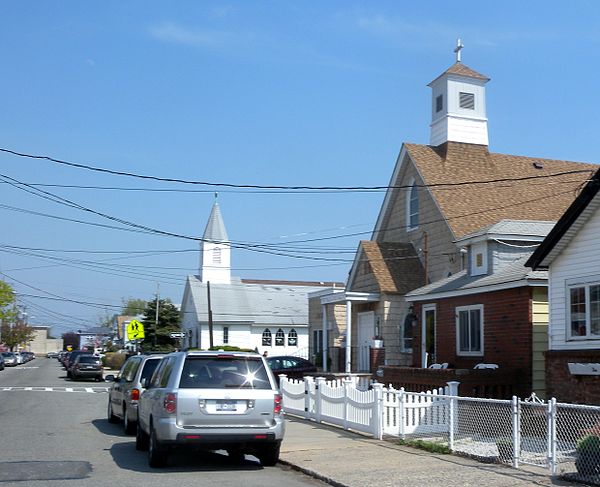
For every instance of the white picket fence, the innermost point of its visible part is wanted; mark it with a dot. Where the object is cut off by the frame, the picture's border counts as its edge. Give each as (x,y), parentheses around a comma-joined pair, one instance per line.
(368,407)
(545,434)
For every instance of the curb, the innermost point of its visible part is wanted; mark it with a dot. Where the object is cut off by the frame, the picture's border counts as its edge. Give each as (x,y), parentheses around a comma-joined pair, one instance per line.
(312,473)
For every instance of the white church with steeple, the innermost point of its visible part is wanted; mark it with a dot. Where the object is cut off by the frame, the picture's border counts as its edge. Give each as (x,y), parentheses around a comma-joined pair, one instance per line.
(257,314)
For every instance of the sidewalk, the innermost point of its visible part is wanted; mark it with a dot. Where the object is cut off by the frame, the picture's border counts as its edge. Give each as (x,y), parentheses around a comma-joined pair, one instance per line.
(346,459)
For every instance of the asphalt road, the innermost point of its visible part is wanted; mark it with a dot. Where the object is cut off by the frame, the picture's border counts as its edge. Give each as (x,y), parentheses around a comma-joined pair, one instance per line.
(54,432)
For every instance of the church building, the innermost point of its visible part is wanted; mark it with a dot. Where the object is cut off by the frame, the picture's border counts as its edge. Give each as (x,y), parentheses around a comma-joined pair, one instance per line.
(265,315)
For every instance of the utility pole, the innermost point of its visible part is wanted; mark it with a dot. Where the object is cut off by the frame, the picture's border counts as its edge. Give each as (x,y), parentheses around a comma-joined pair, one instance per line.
(210,321)
(156,317)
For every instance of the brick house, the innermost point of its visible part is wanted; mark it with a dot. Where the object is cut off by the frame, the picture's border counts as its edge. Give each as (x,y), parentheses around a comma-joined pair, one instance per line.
(494,311)
(571,254)
(438,193)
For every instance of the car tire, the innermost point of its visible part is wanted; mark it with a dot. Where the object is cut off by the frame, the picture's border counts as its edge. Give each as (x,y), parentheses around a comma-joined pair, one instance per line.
(269,455)
(128,425)
(110,415)
(141,438)
(157,454)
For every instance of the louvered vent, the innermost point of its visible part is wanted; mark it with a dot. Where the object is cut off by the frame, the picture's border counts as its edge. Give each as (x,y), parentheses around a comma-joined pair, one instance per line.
(467,100)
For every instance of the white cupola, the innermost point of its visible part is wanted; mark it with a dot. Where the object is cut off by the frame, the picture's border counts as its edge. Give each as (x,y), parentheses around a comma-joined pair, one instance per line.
(215,250)
(458,105)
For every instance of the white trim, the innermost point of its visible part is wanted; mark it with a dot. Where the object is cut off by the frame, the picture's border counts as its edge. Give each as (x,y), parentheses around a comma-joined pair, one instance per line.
(388,194)
(484,289)
(424,309)
(586,283)
(457,310)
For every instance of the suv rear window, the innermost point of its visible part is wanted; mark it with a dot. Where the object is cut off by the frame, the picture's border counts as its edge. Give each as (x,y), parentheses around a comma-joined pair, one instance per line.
(88,359)
(225,372)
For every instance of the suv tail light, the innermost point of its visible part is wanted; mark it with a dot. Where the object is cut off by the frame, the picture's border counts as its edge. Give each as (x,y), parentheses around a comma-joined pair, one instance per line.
(278,403)
(170,402)
(134,394)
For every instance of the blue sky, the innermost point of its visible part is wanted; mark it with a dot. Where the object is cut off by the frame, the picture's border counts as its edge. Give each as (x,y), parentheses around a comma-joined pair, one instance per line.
(250,93)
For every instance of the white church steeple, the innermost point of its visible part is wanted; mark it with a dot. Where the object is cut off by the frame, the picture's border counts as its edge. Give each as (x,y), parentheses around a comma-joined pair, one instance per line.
(458,111)
(215,250)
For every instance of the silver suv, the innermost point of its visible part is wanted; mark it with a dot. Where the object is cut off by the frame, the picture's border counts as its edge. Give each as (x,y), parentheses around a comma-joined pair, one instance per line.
(126,389)
(213,401)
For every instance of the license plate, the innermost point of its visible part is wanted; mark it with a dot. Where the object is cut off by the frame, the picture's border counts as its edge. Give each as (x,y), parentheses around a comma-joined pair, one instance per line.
(226,406)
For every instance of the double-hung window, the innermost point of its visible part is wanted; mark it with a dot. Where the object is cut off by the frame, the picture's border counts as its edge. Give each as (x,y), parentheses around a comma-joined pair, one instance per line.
(583,320)
(469,330)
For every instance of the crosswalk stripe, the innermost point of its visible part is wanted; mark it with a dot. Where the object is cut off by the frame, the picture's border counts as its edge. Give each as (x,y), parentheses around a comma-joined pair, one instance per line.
(88,390)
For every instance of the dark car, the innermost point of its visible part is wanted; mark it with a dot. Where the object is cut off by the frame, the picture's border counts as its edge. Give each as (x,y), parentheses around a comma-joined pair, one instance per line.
(70,359)
(293,367)
(86,366)
(1,362)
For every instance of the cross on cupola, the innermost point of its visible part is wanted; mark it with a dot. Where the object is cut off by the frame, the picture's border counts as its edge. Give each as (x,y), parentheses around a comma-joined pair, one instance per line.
(458,48)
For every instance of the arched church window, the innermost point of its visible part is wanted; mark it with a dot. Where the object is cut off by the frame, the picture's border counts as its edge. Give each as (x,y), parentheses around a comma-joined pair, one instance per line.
(266,338)
(280,338)
(292,338)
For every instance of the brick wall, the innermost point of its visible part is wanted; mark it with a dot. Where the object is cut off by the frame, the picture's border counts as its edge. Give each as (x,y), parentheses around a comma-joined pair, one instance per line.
(507,329)
(581,389)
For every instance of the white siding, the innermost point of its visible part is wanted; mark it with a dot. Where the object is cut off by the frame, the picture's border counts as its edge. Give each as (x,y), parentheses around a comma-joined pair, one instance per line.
(580,260)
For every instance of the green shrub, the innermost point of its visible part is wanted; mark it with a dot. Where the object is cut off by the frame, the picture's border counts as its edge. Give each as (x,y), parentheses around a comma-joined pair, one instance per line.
(588,455)
(430,446)
(114,360)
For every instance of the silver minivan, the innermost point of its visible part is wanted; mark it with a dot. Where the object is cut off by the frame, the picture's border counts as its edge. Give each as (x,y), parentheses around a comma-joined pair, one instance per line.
(212,401)
(126,389)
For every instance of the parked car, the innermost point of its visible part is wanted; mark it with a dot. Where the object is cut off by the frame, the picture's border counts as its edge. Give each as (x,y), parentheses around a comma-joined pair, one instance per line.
(126,388)
(212,401)
(10,359)
(86,366)
(1,362)
(70,359)
(52,354)
(293,367)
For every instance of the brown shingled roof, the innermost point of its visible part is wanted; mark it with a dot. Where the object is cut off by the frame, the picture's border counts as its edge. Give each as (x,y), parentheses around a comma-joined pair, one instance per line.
(469,207)
(395,266)
(461,69)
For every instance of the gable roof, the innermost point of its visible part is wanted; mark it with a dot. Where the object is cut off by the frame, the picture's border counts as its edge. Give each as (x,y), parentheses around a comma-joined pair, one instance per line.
(574,218)
(396,266)
(257,303)
(474,187)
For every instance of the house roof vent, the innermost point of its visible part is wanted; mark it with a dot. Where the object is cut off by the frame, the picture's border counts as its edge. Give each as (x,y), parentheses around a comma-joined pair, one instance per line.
(538,165)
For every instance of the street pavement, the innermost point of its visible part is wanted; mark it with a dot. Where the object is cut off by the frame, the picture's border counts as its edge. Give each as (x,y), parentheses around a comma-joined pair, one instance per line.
(346,459)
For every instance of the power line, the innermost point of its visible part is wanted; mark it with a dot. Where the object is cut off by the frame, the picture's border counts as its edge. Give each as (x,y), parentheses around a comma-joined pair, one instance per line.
(275,187)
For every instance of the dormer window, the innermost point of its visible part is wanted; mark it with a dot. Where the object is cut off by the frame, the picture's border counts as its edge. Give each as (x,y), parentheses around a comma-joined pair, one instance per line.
(466,100)
(439,103)
(412,207)
(479,264)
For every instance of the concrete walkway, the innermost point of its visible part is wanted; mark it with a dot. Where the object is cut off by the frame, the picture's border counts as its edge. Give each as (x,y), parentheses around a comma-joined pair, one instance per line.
(346,459)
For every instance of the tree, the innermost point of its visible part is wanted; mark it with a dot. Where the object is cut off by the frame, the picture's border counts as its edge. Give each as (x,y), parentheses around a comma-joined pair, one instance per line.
(70,339)
(7,301)
(158,338)
(133,307)
(16,334)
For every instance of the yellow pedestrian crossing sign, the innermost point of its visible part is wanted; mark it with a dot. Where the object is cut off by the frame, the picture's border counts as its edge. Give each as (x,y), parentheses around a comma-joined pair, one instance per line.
(135,330)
